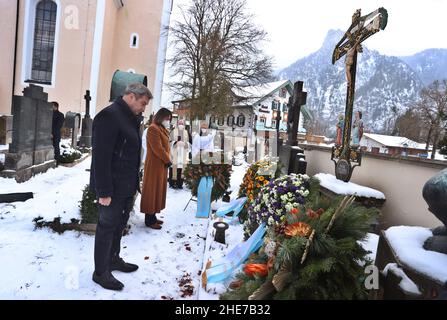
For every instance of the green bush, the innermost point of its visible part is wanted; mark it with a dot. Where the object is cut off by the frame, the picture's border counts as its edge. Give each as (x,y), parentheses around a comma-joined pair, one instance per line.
(88,206)
(69,155)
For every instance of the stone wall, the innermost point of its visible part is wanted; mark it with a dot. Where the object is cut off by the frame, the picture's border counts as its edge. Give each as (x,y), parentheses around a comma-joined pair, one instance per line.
(400,178)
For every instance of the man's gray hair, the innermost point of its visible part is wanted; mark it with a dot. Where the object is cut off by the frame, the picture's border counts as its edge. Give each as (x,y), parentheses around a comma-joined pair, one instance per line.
(139,90)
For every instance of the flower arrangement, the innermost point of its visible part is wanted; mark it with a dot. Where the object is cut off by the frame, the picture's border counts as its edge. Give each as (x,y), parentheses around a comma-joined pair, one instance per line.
(221,173)
(257,176)
(311,249)
(277,198)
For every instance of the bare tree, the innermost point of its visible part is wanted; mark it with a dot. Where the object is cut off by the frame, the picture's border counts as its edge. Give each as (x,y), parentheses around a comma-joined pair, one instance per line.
(317,127)
(432,109)
(409,125)
(216,50)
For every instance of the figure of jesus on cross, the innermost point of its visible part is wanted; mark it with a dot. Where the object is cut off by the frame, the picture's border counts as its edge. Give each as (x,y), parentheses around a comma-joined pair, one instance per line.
(350,45)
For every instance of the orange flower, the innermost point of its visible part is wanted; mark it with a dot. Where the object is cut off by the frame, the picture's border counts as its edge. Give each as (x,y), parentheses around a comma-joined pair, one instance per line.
(299,229)
(258,269)
(314,214)
(294,211)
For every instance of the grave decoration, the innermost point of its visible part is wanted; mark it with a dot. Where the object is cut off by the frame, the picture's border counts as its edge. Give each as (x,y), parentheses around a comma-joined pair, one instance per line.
(277,198)
(257,176)
(311,249)
(221,173)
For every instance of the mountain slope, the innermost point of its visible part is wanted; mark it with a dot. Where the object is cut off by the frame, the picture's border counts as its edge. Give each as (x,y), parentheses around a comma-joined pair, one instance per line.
(386,86)
(430,64)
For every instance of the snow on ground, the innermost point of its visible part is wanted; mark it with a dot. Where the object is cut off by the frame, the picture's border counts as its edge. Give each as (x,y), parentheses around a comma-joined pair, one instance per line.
(215,251)
(347,188)
(407,243)
(40,264)
(4,147)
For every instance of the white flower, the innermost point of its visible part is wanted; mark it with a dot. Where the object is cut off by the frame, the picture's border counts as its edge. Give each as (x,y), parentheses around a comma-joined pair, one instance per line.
(270,248)
(270,221)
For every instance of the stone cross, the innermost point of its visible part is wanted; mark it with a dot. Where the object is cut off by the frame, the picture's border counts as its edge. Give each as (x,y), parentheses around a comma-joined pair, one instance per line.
(87,123)
(87,98)
(361,29)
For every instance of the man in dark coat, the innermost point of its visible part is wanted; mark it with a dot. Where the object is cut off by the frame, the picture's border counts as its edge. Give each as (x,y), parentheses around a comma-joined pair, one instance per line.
(58,122)
(114,178)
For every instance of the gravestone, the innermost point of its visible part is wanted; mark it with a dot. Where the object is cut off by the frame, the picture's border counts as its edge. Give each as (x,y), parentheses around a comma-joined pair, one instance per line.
(292,156)
(86,137)
(73,122)
(5,130)
(31,150)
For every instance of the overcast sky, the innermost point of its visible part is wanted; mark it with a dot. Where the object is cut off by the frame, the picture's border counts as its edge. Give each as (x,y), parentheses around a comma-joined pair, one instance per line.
(297,28)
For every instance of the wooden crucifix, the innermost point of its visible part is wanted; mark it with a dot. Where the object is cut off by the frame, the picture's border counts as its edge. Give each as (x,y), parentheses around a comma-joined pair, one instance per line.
(288,152)
(350,45)
(298,99)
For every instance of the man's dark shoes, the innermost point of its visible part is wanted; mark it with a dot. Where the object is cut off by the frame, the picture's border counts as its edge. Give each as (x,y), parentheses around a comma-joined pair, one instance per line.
(107,281)
(120,265)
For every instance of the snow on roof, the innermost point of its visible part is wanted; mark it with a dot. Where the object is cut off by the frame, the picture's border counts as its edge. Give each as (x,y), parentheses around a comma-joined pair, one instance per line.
(347,188)
(408,244)
(253,94)
(395,141)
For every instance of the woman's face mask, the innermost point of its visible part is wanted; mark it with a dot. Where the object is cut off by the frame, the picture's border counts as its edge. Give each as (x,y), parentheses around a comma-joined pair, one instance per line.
(181,127)
(203,131)
(166,124)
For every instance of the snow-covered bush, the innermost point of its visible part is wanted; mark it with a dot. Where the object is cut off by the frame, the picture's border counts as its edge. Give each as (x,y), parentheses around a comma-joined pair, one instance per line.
(69,154)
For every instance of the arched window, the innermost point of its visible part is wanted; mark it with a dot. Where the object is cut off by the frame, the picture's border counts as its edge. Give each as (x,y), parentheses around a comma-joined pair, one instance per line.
(230,121)
(221,121)
(241,120)
(134,40)
(43,42)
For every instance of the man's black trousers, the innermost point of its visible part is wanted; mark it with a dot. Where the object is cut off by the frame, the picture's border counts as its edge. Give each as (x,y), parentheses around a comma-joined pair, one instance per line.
(57,150)
(109,230)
